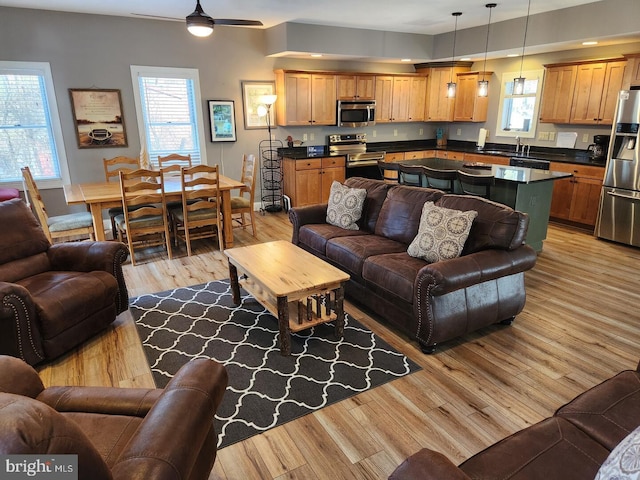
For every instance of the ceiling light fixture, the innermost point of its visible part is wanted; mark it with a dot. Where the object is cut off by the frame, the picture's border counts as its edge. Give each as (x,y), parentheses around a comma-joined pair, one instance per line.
(593,42)
(451,86)
(518,83)
(199,23)
(483,85)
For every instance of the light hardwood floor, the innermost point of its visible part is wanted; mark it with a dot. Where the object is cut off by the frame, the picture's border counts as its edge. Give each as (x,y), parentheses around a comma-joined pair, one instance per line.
(580,325)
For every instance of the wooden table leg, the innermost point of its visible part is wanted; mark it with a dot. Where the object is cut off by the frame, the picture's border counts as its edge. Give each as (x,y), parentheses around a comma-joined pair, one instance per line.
(98,226)
(339,306)
(235,286)
(283,323)
(227,224)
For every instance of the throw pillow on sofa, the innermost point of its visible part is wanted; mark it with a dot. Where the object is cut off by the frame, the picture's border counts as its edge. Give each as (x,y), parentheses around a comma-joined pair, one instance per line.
(345,206)
(624,461)
(442,233)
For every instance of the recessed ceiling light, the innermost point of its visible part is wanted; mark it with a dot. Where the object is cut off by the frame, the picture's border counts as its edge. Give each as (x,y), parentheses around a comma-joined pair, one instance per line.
(316,54)
(465,59)
(513,55)
(405,60)
(593,42)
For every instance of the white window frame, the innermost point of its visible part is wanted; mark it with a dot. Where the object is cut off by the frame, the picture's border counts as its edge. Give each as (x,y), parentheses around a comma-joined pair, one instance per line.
(43,69)
(506,78)
(169,72)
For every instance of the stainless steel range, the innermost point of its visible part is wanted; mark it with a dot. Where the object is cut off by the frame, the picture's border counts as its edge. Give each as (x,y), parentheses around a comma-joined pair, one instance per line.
(360,163)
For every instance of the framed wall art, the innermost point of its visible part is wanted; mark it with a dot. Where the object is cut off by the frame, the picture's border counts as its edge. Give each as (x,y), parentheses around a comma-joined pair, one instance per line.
(252,92)
(222,120)
(97,116)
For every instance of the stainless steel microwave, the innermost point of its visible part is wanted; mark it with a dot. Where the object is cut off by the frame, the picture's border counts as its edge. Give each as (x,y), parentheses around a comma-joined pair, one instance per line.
(356,113)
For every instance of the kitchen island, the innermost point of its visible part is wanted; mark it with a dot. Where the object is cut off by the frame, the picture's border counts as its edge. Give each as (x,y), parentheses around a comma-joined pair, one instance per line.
(528,190)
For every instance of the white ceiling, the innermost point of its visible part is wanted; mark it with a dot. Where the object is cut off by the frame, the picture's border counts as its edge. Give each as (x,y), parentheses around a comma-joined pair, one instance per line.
(410,16)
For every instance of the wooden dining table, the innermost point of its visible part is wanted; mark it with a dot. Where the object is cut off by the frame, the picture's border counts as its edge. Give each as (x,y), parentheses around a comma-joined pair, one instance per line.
(103,195)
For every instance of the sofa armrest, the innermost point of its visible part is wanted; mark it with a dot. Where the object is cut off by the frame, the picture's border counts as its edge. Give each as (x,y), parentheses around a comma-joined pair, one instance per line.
(450,275)
(20,334)
(19,378)
(428,465)
(167,443)
(310,214)
(90,256)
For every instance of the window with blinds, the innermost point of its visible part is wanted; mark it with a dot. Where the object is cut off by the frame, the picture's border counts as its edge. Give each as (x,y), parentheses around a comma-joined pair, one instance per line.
(27,136)
(168,105)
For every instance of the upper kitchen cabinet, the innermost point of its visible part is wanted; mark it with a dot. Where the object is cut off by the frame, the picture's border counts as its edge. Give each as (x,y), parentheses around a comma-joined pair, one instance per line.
(596,92)
(305,98)
(581,93)
(632,72)
(400,98)
(418,99)
(468,106)
(439,107)
(356,87)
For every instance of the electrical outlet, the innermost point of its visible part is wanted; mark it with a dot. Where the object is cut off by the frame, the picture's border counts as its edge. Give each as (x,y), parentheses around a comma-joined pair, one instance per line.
(374,134)
(552,136)
(422,131)
(304,137)
(459,132)
(543,136)
(585,137)
(395,132)
(312,136)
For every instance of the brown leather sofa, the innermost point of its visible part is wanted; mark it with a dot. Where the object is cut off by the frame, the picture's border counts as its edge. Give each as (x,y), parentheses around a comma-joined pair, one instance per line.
(117,433)
(571,445)
(54,297)
(433,302)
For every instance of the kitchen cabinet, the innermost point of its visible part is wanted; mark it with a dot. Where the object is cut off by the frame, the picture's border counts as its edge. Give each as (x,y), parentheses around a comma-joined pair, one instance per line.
(308,181)
(400,98)
(451,155)
(632,72)
(415,154)
(394,157)
(491,159)
(576,199)
(305,98)
(557,92)
(384,98)
(596,92)
(417,99)
(468,106)
(439,107)
(356,87)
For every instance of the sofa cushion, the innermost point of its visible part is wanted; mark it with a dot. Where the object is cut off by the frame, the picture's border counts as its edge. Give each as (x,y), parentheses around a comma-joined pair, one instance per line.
(400,214)
(17,243)
(351,252)
(624,461)
(376,194)
(609,411)
(442,233)
(394,273)
(345,206)
(553,448)
(496,226)
(316,236)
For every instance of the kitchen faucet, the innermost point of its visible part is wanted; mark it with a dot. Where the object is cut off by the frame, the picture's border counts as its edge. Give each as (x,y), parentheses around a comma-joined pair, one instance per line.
(517,144)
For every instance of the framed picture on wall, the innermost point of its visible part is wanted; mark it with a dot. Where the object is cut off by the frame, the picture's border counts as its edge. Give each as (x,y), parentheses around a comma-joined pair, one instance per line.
(97,115)
(254,115)
(222,120)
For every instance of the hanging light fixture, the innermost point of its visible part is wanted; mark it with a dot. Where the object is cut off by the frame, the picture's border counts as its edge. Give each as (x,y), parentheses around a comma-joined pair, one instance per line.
(483,85)
(199,23)
(518,83)
(451,86)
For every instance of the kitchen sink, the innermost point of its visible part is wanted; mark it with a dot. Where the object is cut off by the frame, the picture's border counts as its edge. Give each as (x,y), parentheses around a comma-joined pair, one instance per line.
(498,152)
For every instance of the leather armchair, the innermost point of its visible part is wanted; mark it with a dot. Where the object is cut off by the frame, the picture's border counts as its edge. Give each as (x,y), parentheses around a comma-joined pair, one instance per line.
(117,433)
(54,297)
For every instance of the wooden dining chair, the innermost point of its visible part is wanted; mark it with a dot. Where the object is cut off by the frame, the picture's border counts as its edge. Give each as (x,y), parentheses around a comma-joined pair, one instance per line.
(472,184)
(444,180)
(242,204)
(200,216)
(174,159)
(112,168)
(57,227)
(411,175)
(144,219)
(389,171)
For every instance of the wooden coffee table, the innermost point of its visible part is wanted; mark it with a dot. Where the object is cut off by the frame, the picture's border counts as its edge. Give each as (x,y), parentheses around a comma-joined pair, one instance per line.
(291,283)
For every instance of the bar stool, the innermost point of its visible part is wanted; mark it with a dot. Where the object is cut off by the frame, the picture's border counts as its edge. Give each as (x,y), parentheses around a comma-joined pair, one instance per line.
(411,175)
(389,171)
(479,185)
(440,179)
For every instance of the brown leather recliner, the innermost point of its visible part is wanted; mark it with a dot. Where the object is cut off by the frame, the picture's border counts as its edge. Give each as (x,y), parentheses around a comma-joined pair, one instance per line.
(54,297)
(117,433)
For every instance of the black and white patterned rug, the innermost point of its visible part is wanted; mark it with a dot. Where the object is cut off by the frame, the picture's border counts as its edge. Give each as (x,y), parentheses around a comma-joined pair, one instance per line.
(265,389)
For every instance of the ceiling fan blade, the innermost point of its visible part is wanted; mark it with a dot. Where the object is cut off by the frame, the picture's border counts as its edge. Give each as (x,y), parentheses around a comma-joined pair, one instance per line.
(229,21)
(158,16)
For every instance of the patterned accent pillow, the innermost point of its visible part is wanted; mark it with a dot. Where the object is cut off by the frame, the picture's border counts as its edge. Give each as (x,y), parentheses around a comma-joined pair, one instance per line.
(623,463)
(442,233)
(345,206)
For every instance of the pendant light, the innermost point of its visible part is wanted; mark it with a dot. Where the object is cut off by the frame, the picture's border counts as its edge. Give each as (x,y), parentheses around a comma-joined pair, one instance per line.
(199,23)
(518,83)
(451,86)
(483,85)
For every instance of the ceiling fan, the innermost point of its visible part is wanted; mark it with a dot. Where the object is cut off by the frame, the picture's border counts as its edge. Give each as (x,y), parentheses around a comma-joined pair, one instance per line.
(201,25)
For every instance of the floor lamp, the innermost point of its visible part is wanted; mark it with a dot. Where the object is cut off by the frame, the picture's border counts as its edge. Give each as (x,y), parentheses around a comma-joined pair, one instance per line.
(271,173)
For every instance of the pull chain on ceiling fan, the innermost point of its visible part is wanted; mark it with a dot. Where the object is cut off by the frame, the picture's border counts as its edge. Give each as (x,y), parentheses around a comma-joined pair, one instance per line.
(201,25)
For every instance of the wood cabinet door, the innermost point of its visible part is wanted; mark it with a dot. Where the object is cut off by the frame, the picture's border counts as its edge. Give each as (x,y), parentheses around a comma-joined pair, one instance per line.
(400,99)
(557,92)
(612,85)
(308,187)
(328,176)
(366,87)
(384,98)
(417,99)
(346,87)
(439,106)
(323,99)
(587,95)
(464,102)
(561,198)
(586,200)
(298,99)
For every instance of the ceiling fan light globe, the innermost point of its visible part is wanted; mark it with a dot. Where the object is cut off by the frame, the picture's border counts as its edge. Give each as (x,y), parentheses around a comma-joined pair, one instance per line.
(200,30)
(199,23)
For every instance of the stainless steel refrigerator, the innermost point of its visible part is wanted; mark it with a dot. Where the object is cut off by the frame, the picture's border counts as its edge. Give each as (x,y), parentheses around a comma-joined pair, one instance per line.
(619,212)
